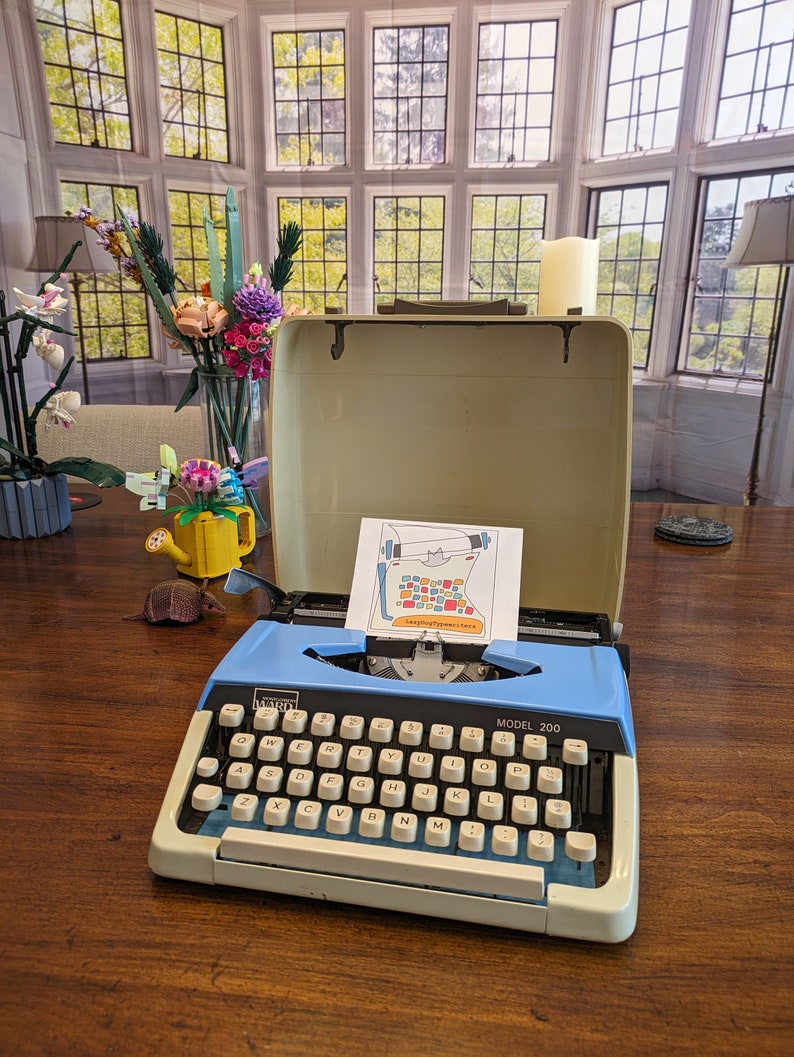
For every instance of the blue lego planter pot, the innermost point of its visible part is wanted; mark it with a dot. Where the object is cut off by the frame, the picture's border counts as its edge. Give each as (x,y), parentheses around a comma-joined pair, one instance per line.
(38,507)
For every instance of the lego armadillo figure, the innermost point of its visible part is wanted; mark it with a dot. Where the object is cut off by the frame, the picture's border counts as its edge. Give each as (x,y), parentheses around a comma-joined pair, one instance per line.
(177,602)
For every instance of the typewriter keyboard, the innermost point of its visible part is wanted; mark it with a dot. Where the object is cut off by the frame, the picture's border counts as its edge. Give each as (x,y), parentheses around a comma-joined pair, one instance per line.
(431,805)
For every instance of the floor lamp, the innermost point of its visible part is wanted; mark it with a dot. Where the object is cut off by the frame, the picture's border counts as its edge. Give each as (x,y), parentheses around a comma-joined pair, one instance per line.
(55,236)
(766,236)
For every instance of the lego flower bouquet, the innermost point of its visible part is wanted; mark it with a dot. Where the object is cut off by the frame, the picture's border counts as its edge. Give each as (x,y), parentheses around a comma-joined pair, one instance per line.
(34,498)
(227,327)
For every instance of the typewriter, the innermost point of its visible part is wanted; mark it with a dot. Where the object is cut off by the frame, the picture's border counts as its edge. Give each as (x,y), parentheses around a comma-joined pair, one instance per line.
(492,783)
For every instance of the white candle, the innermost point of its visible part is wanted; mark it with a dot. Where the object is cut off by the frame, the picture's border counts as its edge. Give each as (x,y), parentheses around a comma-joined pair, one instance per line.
(568,276)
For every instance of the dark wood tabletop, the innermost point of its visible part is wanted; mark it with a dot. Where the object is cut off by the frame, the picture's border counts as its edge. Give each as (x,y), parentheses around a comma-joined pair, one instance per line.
(100,957)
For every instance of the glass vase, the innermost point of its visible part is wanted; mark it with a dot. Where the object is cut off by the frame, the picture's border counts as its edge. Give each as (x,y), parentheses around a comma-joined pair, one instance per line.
(234,415)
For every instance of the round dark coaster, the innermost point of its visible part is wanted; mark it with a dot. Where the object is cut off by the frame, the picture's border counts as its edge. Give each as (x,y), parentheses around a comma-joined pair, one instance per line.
(700,531)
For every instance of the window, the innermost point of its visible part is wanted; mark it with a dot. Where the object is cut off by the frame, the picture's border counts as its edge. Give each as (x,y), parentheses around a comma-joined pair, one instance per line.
(410,94)
(646,68)
(757,89)
(731,309)
(113,308)
(629,222)
(309,92)
(506,232)
(191,255)
(320,270)
(515,87)
(83,52)
(192,88)
(408,246)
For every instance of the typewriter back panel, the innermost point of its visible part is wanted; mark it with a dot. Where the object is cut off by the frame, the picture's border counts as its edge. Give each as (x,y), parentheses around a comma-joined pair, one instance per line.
(455,420)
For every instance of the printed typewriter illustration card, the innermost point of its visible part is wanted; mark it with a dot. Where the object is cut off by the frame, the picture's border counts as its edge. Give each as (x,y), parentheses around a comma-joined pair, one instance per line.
(458,581)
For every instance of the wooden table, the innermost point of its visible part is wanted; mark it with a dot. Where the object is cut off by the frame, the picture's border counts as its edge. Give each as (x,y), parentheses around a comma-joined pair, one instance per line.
(100,957)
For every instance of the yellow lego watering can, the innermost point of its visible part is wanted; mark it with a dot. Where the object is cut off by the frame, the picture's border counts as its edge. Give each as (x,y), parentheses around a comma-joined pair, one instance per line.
(209,545)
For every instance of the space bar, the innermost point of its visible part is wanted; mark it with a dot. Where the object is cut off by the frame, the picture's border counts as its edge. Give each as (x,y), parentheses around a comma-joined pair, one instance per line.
(383,863)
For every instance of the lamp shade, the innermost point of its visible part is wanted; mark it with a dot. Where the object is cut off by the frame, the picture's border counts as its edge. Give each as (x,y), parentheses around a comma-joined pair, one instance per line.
(766,235)
(55,236)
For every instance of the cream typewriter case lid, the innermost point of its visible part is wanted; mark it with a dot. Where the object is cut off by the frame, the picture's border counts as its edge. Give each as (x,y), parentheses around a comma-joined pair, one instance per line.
(521,421)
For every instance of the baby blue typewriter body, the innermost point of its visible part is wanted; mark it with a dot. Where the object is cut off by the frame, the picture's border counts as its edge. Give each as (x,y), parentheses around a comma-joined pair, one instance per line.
(494,784)
(267,694)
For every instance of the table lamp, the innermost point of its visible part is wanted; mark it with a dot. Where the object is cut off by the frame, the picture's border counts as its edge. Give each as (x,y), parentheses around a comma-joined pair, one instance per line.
(55,236)
(766,236)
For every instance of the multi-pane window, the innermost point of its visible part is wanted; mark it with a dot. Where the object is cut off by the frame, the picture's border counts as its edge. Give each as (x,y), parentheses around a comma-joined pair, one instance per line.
(629,223)
(113,308)
(730,310)
(515,89)
(189,239)
(757,86)
(309,91)
(319,275)
(506,232)
(83,52)
(408,243)
(192,88)
(409,75)
(646,68)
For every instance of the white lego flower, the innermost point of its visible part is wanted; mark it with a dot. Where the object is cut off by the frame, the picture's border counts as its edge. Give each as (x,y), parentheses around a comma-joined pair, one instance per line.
(48,350)
(46,305)
(61,409)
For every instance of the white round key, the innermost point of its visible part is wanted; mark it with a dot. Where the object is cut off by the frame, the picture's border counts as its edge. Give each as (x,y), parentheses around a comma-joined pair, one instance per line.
(206,797)
(244,807)
(441,736)
(231,715)
(524,811)
(381,730)
(453,769)
(517,776)
(308,814)
(581,847)
(540,845)
(351,728)
(504,840)
(329,754)
(276,811)
(300,752)
(471,836)
(410,732)
(207,767)
(503,743)
(549,780)
(271,747)
(239,776)
(534,747)
(404,827)
(472,739)
(574,751)
(438,832)
(299,782)
(372,822)
(393,793)
(241,746)
(424,797)
(390,761)
(483,772)
(339,819)
(269,779)
(359,758)
(331,786)
(361,790)
(490,806)
(456,801)
(266,718)
(420,765)
(295,721)
(558,814)
(322,725)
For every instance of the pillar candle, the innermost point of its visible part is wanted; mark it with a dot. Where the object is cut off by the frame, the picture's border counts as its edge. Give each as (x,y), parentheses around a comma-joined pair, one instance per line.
(568,276)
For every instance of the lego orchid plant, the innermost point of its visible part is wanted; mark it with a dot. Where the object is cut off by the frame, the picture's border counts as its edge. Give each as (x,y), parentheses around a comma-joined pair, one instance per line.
(19,454)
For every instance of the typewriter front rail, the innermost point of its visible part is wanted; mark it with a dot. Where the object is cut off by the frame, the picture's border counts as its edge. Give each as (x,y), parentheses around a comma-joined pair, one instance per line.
(521,896)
